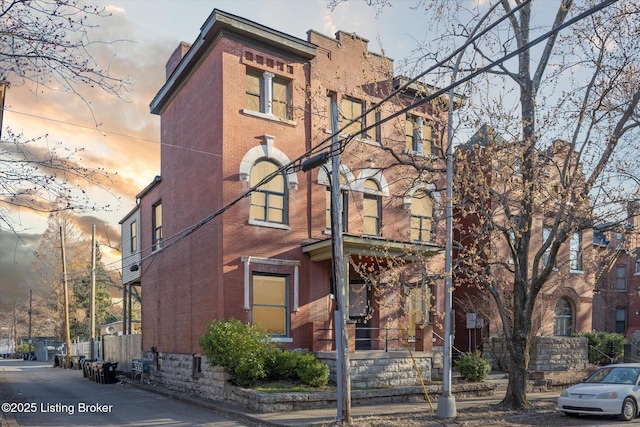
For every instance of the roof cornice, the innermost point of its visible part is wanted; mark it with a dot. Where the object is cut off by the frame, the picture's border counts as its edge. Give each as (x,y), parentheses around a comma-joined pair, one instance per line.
(216,25)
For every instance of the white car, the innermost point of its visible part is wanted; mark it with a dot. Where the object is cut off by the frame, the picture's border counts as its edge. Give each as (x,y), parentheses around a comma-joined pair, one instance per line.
(611,390)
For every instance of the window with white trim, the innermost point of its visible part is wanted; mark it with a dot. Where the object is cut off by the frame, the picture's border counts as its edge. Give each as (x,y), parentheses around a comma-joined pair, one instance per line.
(563,318)
(133,229)
(270,308)
(575,252)
(418,135)
(156,221)
(371,208)
(421,216)
(268,202)
(267,93)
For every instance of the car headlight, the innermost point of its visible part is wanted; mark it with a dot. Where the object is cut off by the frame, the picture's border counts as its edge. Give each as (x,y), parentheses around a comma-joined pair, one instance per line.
(564,393)
(610,395)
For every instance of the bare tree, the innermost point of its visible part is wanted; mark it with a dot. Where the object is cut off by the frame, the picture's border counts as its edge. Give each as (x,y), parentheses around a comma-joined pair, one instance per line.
(45,45)
(553,152)
(557,156)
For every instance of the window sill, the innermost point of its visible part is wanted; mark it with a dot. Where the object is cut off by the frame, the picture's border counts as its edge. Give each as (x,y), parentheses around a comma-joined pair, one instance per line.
(268,117)
(282,339)
(269,224)
(576,272)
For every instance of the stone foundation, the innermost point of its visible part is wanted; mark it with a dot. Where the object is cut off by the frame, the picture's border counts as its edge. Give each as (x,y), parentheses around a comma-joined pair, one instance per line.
(548,354)
(369,369)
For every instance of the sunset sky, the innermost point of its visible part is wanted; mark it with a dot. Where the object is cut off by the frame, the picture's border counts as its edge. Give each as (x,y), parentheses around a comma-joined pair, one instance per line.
(141,35)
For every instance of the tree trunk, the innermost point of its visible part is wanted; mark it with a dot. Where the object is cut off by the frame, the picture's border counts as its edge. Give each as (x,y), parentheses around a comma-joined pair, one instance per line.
(516,396)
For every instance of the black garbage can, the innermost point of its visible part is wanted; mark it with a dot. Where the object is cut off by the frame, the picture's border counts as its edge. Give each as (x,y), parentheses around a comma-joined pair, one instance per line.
(109,373)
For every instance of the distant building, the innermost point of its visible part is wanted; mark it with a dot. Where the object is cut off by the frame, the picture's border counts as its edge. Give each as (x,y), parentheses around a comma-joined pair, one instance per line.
(564,304)
(617,291)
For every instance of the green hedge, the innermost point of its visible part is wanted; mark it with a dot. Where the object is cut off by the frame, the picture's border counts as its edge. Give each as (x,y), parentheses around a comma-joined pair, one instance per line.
(249,355)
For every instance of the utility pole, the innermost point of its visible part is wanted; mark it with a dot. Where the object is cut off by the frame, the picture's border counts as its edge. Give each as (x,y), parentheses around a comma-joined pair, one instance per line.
(343,374)
(92,311)
(66,301)
(30,311)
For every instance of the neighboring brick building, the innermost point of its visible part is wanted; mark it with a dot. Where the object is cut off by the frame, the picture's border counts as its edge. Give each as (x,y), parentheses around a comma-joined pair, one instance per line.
(616,303)
(239,104)
(564,304)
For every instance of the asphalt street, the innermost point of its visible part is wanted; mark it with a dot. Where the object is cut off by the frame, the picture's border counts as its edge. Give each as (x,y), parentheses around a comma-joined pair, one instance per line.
(36,394)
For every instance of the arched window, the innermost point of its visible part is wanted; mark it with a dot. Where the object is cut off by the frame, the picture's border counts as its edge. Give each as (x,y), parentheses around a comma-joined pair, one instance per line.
(371,208)
(421,216)
(269,201)
(563,318)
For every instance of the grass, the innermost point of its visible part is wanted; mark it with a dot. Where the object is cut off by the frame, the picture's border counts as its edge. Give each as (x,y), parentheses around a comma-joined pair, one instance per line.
(290,387)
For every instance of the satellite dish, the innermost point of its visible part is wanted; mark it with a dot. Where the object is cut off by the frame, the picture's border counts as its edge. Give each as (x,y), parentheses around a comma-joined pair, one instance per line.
(110,329)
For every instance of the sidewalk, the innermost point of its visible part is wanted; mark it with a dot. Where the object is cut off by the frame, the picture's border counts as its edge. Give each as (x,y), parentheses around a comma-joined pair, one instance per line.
(325,417)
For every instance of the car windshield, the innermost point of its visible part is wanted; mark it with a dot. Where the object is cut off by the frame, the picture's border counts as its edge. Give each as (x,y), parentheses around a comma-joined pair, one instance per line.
(615,375)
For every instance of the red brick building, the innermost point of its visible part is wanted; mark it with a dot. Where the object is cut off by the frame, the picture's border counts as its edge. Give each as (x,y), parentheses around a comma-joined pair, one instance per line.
(617,293)
(217,240)
(488,169)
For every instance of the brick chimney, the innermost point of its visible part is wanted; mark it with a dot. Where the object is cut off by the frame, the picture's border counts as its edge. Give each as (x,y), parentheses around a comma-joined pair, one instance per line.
(176,57)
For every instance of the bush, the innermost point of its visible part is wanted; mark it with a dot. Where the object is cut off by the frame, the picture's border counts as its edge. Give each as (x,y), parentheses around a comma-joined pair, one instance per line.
(311,371)
(248,355)
(282,365)
(605,346)
(240,348)
(473,367)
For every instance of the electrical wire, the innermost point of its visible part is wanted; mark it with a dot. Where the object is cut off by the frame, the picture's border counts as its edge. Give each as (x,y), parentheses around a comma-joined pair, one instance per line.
(295,164)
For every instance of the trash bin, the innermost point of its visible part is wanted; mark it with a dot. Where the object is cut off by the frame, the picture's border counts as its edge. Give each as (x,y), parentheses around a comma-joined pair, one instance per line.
(109,373)
(95,369)
(85,365)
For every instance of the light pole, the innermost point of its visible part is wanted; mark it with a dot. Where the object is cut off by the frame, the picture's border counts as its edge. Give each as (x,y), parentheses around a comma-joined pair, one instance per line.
(447,402)
(343,374)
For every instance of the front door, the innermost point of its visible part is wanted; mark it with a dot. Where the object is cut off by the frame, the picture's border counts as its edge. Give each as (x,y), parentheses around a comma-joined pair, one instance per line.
(360,312)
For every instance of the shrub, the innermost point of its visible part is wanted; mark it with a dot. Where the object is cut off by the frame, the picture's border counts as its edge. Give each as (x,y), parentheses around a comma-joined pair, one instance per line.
(605,346)
(311,371)
(473,367)
(282,365)
(242,349)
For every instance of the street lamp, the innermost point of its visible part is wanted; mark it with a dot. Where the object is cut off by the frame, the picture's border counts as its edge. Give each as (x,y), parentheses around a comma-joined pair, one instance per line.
(343,375)
(447,402)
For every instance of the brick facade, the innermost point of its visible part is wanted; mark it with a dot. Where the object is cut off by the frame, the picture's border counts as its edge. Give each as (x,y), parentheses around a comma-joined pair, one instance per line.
(210,141)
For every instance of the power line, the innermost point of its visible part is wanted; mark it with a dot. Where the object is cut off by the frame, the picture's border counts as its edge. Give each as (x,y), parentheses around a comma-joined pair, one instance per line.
(296,163)
(109,132)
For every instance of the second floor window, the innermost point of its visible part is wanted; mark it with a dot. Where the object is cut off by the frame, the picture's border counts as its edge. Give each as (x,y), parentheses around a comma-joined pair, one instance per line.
(421,216)
(156,237)
(575,252)
(269,201)
(638,266)
(134,237)
(621,277)
(371,208)
(269,94)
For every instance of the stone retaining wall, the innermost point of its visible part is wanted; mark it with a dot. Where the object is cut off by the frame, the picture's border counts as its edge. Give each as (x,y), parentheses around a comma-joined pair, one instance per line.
(394,370)
(548,354)
(382,368)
